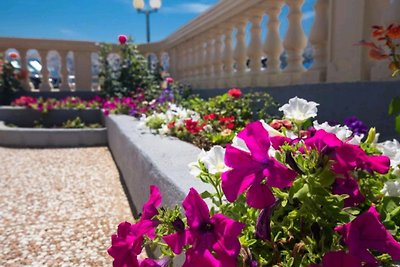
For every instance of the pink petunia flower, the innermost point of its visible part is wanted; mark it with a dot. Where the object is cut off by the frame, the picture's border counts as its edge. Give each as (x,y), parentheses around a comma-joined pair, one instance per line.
(350,187)
(235,93)
(169,80)
(367,232)
(214,240)
(338,259)
(163,262)
(122,39)
(126,245)
(254,171)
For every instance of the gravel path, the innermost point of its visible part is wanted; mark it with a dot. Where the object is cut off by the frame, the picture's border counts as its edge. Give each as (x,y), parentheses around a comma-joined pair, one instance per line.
(59,207)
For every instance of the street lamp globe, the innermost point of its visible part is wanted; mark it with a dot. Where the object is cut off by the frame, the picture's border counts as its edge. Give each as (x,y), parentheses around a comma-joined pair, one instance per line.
(138,4)
(155,4)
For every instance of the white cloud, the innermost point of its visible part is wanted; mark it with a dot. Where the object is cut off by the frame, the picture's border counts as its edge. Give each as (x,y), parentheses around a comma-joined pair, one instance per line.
(192,8)
(308,15)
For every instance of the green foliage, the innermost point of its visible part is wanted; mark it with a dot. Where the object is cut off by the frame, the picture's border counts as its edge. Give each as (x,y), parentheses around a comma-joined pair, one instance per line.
(248,107)
(77,123)
(394,110)
(131,75)
(9,82)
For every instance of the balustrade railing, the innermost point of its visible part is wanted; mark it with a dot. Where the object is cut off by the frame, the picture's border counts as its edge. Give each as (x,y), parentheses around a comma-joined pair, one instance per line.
(224,47)
(216,49)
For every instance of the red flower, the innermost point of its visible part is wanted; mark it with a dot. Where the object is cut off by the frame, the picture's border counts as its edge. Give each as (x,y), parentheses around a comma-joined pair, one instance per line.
(210,117)
(193,127)
(378,31)
(227,122)
(169,80)
(393,31)
(171,125)
(13,55)
(122,39)
(235,93)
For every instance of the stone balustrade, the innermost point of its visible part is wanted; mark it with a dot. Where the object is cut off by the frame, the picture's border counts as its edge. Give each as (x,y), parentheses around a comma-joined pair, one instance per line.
(224,46)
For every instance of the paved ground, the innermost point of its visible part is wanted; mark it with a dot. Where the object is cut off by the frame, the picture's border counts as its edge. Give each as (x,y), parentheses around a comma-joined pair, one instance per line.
(59,207)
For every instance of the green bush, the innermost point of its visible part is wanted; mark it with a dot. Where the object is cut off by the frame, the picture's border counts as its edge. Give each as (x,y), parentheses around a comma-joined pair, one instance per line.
(132,74)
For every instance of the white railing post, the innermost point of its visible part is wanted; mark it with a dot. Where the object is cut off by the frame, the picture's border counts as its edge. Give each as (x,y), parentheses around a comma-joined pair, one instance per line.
(64,71)
(217,58)
(295,39)
(319,40)
(83,70)
(240,55)
(254,50)
(24,68)
(273,46)
(209,59)
(227,56)
(44,85)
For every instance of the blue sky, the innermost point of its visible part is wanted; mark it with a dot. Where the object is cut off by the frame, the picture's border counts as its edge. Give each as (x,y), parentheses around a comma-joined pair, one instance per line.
(103,20)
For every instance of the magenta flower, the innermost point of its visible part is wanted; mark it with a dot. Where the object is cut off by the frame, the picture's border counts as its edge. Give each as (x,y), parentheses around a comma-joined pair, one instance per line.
(350,187)
(367,232)
(169,80)
(155,263)
(122,39)
(126,245)
(214,241)
(338,259)
(263,225)
(255,171)
(149,209)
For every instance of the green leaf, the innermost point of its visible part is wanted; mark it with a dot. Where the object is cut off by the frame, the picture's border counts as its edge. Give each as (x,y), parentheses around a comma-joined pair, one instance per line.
(394,106)
(206,194)
(302,193)
(397,123)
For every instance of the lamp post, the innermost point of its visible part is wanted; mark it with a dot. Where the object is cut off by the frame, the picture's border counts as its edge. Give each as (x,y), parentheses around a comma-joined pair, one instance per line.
(140,7)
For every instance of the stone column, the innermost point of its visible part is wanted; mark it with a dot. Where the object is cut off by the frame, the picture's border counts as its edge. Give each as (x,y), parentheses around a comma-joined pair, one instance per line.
(228,56)
(254,50)
(217,58)
(209,58)
(83,70)
(45,85)
(24,67)
(319,35)
(273,47)
(240,55)
(295,39)
(64,71)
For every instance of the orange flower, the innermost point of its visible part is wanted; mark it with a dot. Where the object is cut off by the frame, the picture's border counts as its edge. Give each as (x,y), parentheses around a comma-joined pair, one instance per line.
(393,31)
(13,55)
(377,54)
(378,31)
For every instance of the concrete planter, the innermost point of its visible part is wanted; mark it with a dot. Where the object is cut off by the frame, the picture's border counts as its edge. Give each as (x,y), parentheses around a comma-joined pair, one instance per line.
(26,136)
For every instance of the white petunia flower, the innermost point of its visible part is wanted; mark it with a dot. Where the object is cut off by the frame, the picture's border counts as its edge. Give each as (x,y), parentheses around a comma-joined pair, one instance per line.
(391,149)
(299,109)
(392,188)
(214,160)
(342,132)
(271,131)
(194,166)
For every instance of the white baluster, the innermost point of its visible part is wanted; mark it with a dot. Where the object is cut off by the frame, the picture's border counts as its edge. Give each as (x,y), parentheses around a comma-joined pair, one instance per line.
(240,49)
(44,85)
(217,59)
(254,50)
(228,56)
(24,68)
(319,35)
(295,40)
(209,59)
(83,70)
(64,71)
(273,47)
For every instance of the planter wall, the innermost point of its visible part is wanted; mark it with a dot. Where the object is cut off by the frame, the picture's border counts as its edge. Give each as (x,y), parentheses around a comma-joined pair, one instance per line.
(26,136)
(145,159)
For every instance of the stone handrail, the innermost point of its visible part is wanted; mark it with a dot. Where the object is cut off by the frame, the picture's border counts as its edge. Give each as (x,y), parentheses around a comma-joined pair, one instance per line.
(82,52)
(212,50)
(202,52)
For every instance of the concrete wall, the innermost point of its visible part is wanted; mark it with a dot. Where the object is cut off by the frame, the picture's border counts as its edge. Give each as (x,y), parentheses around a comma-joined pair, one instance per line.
(369,101)
(145,159)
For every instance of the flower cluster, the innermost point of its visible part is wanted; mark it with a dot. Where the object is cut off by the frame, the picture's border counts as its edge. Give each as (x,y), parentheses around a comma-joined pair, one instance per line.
(390,37)
(287,194)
